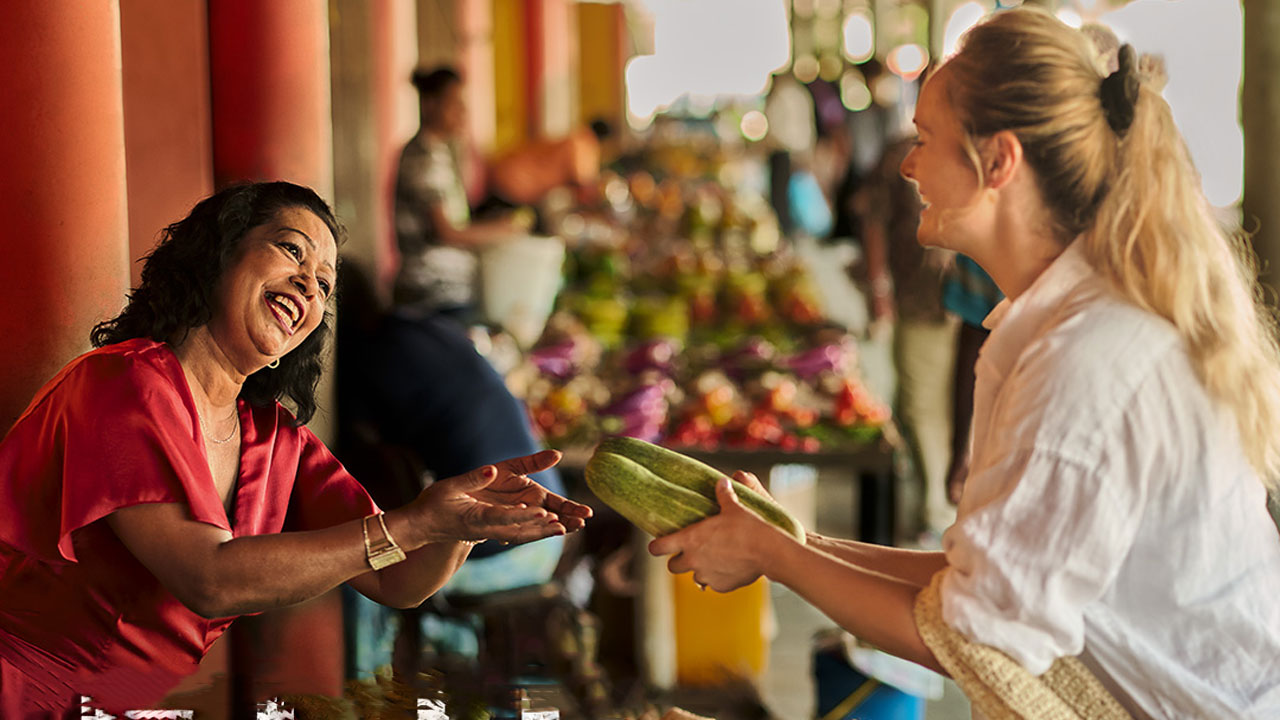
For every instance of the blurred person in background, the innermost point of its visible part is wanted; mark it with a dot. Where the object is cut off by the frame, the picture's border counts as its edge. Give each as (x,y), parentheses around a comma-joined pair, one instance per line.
(906,281)
(434,232)
(1112,555)
(971,294)
(523,176)
(414,378)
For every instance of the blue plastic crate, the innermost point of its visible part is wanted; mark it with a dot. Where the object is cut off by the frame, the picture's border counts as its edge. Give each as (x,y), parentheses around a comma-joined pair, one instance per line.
(844,693)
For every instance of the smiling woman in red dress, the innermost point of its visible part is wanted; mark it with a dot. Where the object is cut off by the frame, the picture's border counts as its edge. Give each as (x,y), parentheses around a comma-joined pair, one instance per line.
(156,488)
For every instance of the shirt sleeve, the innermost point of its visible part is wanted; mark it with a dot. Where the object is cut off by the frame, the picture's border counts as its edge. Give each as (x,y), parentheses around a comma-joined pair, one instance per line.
(324,493)
(111,432)
(1045,538)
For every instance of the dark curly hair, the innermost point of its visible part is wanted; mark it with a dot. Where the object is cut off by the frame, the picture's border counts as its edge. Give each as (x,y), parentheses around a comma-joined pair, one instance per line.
(181,275)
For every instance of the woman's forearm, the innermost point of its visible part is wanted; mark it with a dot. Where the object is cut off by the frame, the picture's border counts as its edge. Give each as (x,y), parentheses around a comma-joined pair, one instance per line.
(217,575)
(423,572)
(478,234)
(872,606)
(262,572)
(913,567)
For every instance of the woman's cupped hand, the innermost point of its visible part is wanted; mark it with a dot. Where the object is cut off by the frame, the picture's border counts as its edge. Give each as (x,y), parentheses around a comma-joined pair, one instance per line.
(498,502)
(727,550)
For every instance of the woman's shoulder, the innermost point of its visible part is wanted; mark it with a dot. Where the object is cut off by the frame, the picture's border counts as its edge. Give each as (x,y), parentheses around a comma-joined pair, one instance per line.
(1103,338)
(138,368)
(1102,360)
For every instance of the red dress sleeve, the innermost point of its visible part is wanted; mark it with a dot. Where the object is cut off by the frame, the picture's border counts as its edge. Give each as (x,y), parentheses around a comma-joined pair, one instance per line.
(324,493)
(113,429)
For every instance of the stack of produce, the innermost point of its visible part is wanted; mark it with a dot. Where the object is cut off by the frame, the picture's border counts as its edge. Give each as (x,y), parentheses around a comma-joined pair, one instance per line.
(691,325)
(661,491)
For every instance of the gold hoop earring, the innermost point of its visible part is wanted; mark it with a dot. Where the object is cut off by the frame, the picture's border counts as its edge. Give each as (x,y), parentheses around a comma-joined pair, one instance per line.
(274,364)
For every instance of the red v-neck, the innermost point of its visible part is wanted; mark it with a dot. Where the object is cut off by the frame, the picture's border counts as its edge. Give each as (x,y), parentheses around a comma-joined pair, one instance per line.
(245,418)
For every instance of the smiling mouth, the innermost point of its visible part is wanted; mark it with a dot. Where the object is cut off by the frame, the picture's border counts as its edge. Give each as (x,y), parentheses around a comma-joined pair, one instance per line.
(287,311)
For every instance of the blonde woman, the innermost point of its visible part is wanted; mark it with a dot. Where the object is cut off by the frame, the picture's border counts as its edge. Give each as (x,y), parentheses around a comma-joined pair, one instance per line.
(1125,420)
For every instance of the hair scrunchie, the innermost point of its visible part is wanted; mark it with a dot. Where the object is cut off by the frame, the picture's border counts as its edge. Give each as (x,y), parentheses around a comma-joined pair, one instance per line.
(1119,91)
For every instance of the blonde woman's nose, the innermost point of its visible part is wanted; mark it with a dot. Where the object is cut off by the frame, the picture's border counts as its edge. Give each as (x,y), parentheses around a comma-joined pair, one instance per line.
(907,168)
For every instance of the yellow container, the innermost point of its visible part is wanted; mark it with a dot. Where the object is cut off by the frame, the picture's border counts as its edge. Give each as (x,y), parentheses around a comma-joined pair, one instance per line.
(720,636)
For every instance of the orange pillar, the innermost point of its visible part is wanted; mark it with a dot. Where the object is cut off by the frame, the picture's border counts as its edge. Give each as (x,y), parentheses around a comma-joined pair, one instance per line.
(169,165)
(168,141)
(535,64)
(269,68)
(62,187)
(270,74)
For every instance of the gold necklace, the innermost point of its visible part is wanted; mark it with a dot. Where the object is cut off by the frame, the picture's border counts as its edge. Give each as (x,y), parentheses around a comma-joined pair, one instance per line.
(224,440)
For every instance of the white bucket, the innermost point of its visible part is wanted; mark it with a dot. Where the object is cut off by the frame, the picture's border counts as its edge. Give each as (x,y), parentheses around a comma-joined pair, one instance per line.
(519,280)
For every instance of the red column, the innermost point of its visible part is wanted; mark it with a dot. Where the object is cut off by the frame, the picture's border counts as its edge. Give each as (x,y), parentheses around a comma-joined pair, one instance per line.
(169,164)
(270,72)
(535,65)
(271,120)
(62,187)
(168,141)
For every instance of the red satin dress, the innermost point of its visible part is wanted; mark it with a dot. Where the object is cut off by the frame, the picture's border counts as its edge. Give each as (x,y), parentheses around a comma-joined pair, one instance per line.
(79,615)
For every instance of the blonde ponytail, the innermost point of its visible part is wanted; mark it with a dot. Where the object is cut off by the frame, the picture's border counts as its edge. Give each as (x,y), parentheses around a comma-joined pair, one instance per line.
(1156,238)
(1114,170)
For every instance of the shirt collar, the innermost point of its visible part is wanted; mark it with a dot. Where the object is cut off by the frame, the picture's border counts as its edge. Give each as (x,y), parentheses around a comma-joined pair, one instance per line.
(1015,322)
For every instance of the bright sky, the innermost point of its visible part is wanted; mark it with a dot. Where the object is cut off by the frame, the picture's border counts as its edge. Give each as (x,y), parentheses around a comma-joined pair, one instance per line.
(1201,41)
(708,48)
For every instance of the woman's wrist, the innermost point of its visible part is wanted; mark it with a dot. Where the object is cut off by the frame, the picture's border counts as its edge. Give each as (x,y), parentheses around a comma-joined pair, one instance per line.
(408,528)
(775,551)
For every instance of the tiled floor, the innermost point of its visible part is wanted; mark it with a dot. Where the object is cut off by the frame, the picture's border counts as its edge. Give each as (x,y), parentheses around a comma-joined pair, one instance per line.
(788,688)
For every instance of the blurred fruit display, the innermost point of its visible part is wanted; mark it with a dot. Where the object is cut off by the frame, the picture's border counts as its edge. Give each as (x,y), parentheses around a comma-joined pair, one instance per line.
(685,320)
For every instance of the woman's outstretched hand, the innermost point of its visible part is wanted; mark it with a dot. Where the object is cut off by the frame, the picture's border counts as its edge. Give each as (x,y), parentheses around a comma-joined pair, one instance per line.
(498,502)
(725,551)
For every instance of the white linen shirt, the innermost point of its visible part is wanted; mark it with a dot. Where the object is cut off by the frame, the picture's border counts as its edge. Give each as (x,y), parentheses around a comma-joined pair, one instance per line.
(1110,511)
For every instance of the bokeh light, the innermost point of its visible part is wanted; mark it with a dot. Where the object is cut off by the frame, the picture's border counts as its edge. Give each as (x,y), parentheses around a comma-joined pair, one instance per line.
(806,68)
(830,67)
(1070,17)
(962,18)
(854,93)
(908,61)
(709,48)
(859,36)
(754,125)
(886,90)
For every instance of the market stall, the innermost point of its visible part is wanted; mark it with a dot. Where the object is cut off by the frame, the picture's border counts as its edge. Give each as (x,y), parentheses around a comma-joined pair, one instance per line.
(687,319)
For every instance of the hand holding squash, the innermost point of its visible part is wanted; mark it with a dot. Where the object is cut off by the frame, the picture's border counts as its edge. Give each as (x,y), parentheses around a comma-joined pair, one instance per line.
(725,551)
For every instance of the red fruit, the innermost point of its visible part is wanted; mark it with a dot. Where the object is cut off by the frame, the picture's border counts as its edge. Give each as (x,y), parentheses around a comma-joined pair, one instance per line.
(803,417)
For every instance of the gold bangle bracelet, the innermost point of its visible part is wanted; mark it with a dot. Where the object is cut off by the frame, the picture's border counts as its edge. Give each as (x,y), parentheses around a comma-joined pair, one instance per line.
(386,554)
